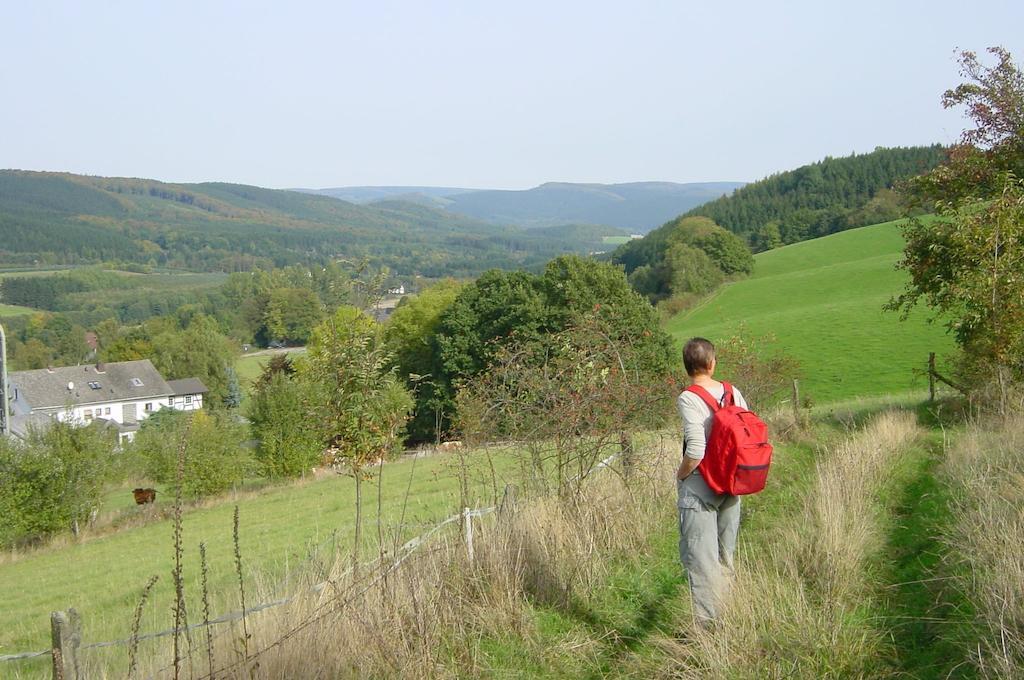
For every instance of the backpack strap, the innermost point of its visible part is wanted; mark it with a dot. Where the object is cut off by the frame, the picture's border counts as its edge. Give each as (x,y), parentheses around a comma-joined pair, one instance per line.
(728,399)
(706,396)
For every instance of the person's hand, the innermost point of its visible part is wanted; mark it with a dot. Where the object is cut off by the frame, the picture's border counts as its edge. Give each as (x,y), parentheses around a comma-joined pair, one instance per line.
(686,468)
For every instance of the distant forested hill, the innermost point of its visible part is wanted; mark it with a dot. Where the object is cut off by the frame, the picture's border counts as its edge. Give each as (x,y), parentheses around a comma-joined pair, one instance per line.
(414,194)
(822,198)
(814,200)
(60,218)
(636,207)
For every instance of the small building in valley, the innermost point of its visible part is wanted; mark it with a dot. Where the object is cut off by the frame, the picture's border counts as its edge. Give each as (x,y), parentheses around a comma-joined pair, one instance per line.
(188,394)
(120,395)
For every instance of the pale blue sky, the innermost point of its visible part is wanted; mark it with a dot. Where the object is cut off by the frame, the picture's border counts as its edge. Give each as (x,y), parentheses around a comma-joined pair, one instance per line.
(477,94)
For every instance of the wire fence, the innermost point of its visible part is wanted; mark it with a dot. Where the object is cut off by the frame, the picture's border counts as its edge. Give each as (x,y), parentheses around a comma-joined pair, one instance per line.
(404,552)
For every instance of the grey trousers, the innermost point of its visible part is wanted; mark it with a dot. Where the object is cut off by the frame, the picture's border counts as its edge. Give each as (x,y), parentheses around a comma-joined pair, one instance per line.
(707,542)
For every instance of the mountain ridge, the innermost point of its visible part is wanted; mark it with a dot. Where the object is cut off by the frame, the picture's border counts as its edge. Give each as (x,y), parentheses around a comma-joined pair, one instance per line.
(63,218)
(633,206)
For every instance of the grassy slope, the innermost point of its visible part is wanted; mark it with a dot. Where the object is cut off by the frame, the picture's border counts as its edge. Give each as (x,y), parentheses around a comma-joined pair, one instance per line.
(822,300)
(281,528)
(619,629)
(14,310)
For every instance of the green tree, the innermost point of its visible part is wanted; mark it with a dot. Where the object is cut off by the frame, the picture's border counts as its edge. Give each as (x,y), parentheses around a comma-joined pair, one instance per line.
(691,270)
(504,309)
(410,336)
(291,314)
(767,237)
(54,481)
(284,421)
(579,289)
(977,166)
(361,405)
(570,401)
(30,486)
(199,351)
(728,251)
(233,399)
(214,457)
(968,265)
(499,306)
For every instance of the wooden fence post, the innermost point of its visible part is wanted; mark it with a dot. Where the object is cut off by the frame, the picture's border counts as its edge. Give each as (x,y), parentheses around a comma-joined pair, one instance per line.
(66,636)
(931,376)
(626,451)
(467,521)
(796,402)
(508,501)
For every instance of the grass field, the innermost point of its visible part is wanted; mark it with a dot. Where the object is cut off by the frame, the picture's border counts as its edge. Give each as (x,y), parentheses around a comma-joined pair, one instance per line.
(250,366)
(15,272)
(14,310)
(615,240)
(285,531)
(822,300)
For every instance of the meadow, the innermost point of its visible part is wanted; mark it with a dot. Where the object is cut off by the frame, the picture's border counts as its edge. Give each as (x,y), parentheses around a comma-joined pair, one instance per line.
(822,302)
(248,368)
(14,310)
(288,531)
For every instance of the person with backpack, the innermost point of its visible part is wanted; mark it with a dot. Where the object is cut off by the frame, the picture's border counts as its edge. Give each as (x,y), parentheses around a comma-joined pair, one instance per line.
(725,454)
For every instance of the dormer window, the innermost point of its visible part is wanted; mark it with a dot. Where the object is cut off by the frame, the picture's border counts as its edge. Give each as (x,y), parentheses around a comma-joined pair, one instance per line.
(94,385)
(136,382)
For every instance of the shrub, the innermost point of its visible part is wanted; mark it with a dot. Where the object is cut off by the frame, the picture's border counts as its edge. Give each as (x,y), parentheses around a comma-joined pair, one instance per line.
(280,412)
(214,457)
(764,374)
(572,403)
(54,481)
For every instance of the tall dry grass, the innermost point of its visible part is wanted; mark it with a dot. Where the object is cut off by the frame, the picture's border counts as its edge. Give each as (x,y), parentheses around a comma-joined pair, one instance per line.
(428,616)
(985,470)
(797,605)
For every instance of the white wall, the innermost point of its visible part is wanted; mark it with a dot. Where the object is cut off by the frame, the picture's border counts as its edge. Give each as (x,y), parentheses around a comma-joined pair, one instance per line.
(76,414)
(192,402)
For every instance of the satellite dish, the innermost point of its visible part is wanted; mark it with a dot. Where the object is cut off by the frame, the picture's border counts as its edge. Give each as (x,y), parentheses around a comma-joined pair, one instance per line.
(71,386)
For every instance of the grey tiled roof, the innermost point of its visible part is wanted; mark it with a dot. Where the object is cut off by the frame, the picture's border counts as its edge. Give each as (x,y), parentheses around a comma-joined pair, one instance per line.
(24,424)
(48,388)
(187,386)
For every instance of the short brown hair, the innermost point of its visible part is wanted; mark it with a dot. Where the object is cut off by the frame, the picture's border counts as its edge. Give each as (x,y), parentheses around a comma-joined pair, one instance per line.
(698,355)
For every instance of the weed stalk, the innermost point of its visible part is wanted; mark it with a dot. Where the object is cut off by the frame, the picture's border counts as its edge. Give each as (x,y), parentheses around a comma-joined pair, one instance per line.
(133,645)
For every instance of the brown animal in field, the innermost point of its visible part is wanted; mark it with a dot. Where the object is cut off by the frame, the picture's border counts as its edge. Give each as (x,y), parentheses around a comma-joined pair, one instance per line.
(452,445)
(143,496)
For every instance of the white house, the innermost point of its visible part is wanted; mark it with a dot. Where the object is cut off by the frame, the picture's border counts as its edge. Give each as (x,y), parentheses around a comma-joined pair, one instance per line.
(188,394)
(120,394)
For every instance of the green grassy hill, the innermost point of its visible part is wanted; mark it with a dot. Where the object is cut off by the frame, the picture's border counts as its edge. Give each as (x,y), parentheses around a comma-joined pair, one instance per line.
(822,300)
(814,200)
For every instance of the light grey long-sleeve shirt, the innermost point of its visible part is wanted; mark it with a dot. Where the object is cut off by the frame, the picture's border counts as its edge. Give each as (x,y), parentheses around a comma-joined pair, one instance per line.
(697,419)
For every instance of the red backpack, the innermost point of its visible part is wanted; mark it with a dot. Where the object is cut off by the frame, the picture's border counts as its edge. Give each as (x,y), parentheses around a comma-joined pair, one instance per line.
(738,454)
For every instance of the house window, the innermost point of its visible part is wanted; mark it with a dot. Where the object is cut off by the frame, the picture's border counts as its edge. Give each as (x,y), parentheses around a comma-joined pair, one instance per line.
(106,411)
(88,414)
(94,385)
(188,399)
(149,406)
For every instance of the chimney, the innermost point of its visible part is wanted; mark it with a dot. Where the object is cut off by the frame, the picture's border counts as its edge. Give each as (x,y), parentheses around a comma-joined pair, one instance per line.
(49,369)
(100,367)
